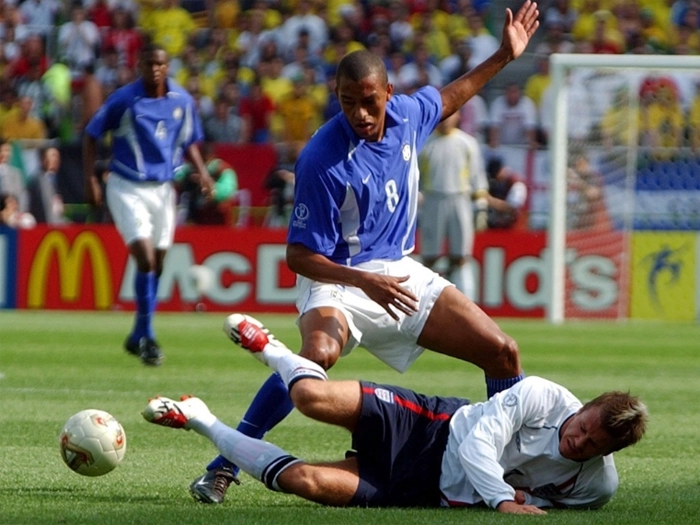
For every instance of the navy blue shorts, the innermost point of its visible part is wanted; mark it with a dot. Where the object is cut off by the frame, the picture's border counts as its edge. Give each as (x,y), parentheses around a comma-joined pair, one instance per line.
(399,442)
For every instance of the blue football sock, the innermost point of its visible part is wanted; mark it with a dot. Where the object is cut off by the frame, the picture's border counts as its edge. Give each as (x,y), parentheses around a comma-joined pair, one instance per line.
(144,286)
(270,406)
(493,386)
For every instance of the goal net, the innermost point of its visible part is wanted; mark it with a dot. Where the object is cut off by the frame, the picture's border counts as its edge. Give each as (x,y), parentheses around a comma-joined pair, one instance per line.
(624,187)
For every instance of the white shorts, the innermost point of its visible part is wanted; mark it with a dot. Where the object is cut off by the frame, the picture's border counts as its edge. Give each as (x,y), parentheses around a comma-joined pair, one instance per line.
(393,342)
(142,210)
(446,216)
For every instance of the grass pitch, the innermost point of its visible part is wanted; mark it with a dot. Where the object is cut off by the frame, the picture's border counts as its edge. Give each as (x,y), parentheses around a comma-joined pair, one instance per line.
(55,364)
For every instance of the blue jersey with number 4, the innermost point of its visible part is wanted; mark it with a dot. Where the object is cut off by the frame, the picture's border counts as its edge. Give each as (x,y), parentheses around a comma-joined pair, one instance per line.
(356,201)
(149,135)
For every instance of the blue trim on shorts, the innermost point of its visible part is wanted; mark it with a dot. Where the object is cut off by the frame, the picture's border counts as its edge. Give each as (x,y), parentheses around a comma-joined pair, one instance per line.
(399,440)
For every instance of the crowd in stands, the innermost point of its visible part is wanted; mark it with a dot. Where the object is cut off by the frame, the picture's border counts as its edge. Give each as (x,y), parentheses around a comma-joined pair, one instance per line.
(263,71)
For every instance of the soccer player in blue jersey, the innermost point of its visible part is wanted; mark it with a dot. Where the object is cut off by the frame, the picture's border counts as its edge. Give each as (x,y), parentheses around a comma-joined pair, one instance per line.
(153,124)
(350,235)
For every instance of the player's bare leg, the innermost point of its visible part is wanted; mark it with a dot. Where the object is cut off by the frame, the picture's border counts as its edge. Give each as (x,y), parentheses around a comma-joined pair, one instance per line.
(334,402)
(459,328)
(331,484)
(324,332)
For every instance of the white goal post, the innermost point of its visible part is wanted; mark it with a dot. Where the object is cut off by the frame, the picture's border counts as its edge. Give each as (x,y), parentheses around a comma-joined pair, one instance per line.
(560,66)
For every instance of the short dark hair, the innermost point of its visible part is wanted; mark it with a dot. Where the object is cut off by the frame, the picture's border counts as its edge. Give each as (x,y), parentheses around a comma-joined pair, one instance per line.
(151,47)
(361,64)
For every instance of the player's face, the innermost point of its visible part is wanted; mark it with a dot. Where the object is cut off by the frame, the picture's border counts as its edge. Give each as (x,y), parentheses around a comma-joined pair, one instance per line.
(154,68)
(582,437)
(364,105)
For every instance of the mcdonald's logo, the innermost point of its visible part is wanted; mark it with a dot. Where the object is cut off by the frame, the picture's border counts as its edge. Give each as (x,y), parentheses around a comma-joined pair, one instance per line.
(70,260)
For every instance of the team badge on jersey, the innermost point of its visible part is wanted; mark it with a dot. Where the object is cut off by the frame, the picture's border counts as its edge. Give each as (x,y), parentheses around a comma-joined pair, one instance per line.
(384,395)
(406,152)
(177,113)
(301,215)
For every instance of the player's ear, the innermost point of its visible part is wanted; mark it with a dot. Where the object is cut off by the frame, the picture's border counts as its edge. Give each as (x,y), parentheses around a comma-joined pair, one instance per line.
(389,90)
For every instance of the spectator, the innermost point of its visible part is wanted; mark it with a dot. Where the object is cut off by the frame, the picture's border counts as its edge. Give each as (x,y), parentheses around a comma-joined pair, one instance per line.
(474,118)
(251,40)
(457,63)
(585,201)
(13,31)
(44,106)
(8,101)
(107,69)
(483,43)
(513,119)
(32,54)
(123,37)
(436,41)
(11,179)
(22,125)
(98,12)
(280,182)
(199,209)
(400,28)
(661,117)
(562,14)
(11,215)
(40,15)
(78,40)
(298,113)
(554,41)
(46,204)
(224,125)
(257,109)
(304,19)
(410,73)
(170,26)
(538,82)
(507,196)
(204,103)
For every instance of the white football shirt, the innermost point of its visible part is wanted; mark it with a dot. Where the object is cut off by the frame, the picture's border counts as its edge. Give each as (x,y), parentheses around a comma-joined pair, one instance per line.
(512,442)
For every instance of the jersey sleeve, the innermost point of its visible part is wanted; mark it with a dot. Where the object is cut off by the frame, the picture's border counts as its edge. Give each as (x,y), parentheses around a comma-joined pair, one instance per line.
(595,487)
(107,117)
(314,221)
(525,403)
(428,105)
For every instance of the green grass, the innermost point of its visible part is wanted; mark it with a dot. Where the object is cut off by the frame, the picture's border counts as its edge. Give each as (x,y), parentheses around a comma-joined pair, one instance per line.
(55,364)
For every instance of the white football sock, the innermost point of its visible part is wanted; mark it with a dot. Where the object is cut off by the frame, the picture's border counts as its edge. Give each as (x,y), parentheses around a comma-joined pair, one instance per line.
(290,366)
(262,460)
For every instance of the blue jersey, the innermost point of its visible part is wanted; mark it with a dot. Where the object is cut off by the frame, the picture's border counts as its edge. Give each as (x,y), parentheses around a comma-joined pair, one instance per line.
(355,201)
(150,135)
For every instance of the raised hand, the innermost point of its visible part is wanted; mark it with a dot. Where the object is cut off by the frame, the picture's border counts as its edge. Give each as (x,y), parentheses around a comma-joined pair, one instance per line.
(518,30)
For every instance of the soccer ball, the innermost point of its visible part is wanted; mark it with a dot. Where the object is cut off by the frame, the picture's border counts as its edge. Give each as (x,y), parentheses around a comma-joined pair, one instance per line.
(92,442)
(202,278)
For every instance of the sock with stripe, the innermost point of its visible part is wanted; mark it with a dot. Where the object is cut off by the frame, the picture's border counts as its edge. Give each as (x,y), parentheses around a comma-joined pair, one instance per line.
(270,406)
(262,460)
(493,386)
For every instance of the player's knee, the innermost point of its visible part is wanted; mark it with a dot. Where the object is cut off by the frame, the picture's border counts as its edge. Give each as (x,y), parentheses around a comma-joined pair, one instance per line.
(323,353)
(505,360)
(306,483)
(306,394)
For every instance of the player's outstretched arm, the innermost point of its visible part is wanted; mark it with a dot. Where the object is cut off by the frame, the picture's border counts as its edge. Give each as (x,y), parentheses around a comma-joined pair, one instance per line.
(517,31)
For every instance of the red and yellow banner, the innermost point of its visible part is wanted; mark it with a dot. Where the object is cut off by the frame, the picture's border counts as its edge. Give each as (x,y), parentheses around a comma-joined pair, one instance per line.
(86,268)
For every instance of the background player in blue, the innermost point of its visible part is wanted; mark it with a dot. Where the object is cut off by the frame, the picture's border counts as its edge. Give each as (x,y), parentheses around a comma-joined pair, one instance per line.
(352,229)
(154,123)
